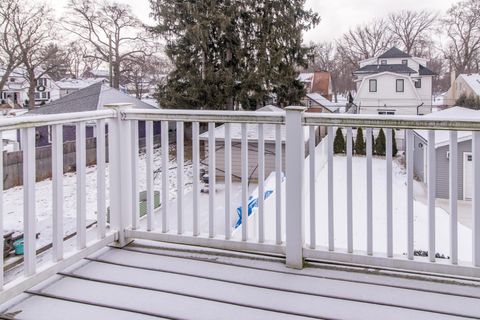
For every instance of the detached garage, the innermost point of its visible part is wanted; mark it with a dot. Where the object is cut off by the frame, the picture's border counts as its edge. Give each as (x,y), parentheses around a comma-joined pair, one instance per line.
(442,154)
(269,134)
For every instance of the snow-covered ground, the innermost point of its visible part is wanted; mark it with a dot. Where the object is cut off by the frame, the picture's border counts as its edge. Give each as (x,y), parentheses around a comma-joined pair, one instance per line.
(13,198)
(13,204)
(379,212)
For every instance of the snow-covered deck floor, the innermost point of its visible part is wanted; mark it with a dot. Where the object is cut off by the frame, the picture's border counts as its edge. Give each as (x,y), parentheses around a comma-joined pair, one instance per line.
(148,280)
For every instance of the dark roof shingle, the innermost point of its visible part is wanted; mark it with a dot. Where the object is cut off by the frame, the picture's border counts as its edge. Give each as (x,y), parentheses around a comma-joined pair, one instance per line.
(91,98)
(394,52)
(379,68)
(424,71)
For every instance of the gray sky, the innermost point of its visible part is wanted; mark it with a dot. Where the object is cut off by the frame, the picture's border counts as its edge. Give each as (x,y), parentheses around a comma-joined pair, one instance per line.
(337,15)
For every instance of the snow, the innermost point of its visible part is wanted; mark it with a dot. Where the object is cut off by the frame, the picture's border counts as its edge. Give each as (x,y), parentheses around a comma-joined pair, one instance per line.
(13,198)
(379,212)
(442,137)
(473,80)
(77,83)
(305,77)
(331,106)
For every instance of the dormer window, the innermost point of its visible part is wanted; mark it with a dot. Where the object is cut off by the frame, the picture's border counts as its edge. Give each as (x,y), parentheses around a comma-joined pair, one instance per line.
(383,61)
(405,62)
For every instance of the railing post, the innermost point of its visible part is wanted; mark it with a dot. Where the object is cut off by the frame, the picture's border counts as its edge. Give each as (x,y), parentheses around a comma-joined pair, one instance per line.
(120,166)
(295,158)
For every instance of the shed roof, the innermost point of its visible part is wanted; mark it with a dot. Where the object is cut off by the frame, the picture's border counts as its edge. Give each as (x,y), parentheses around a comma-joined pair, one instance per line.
(442,137)
(327,104)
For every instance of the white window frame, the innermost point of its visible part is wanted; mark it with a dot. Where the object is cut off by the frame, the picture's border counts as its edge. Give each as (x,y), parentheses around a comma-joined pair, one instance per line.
(397,81)
(370,81)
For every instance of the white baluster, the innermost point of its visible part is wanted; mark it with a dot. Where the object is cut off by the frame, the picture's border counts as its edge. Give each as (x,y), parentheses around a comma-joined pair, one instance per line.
(196,175)
(278,183)
(453,177)
(101,199)
(29,223)
(349,192)
(244,182)
(410,165)
(211,179)
(81,186)
(261,184)
(134,161)
(369,153)
(228,180)
(388,152)
(311,147)
(180,179)
(149,166)
(165,182)
(57,192)
(431,194)
(331,235)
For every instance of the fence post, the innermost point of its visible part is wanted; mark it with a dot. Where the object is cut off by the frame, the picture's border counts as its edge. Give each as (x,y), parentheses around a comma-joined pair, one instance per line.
(295,158)
(120,171)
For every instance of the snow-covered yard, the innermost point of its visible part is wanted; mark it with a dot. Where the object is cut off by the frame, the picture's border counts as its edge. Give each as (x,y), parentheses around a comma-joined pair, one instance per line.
(379,211)
(13,198)
(13,204)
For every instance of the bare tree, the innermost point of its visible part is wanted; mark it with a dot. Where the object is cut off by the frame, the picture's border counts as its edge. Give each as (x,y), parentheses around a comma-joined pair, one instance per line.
(114,33)
(141,73)
(411,29)
(81,59)
(367,41)
(33,29)
(462,24)
(9,49)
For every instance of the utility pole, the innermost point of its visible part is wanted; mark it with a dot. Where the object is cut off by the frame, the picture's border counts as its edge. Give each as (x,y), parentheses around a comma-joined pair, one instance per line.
(110,72)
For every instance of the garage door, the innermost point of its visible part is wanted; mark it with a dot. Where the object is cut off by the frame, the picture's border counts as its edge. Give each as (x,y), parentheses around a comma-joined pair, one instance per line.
(467,176)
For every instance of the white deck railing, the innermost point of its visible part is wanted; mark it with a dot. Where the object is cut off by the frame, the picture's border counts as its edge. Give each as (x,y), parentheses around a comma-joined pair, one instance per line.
(280,227)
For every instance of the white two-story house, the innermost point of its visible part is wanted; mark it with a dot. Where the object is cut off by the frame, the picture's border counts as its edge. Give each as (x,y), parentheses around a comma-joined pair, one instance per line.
(15,91)
(394,83)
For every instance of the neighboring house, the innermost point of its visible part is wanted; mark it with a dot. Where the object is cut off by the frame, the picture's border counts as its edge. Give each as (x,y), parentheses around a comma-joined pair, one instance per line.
(269,132)
(317,82)
(68,86)
(442,154)
(315,102)
(94,97)
(394,83)
(15,91)
(464,84)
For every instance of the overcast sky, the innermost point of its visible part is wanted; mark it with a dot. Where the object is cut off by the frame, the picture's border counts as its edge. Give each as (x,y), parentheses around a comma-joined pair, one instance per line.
(337,15)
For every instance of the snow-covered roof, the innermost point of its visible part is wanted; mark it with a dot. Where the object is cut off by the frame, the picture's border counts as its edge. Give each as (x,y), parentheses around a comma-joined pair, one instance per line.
(305,77)
(321,100)
(442,137)
(473,80)
(77,83)
(269,131)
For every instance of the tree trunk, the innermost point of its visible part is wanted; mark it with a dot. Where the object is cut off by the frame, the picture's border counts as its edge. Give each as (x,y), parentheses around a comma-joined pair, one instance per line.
(116,74)
(31,89)
(5,77)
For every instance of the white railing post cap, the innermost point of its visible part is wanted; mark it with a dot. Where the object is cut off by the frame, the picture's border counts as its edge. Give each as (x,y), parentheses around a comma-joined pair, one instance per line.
(118,106)
(296,108)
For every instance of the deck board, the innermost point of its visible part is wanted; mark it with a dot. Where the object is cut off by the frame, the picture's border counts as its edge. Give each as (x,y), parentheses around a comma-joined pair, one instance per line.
(159,281)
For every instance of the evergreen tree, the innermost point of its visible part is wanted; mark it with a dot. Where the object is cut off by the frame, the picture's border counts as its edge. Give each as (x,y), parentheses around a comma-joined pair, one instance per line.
(229,52)
(394,144)
(380,143)
(359,143)
(339,142)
